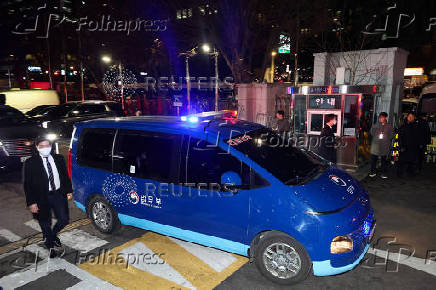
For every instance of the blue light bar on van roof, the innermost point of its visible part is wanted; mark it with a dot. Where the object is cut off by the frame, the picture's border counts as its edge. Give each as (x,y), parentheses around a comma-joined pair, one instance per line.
(195,118)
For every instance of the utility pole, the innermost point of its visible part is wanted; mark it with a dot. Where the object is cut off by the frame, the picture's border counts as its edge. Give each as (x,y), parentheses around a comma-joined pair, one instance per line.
(297,38)
(215,52)
(273,54)
(188,84)
(49,62)
(120,69)
(82,87)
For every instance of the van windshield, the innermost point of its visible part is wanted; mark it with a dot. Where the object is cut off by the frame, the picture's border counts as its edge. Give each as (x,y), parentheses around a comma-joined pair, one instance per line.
(289,164)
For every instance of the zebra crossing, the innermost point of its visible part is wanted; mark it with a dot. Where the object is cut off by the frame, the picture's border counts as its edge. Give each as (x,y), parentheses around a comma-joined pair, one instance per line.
(151,261)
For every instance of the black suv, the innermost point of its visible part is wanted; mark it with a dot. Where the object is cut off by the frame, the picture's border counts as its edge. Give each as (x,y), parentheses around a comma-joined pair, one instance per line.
(60,119)
(17,134)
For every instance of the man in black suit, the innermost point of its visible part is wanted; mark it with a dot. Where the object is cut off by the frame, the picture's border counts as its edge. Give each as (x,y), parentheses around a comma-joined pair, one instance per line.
(327,139)
(47,188)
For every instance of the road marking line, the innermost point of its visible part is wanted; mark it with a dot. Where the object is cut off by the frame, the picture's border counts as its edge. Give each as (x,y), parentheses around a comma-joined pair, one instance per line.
(20,278)
(195,270)
(107,267)
(8,235)
(81,240)
(38,237)
(216,259)
(153,265)
(413,262)
(37,250)
(35,225)
(75,238)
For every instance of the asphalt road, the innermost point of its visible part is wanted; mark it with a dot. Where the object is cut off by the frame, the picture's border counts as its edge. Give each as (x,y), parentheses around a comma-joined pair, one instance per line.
(406,216)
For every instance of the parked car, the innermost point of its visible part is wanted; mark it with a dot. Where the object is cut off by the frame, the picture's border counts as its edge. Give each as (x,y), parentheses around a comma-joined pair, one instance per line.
(60,119)
(224,183)
(25,100)
(38,110)
(17,134)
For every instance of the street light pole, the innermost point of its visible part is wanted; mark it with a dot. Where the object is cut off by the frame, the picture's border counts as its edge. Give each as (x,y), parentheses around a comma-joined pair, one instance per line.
(188,84)
(122,84)
(273,54)
(215,52)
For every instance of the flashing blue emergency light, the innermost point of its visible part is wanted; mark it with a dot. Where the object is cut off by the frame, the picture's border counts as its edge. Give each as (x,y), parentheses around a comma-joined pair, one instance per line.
(193,119)
(205,116)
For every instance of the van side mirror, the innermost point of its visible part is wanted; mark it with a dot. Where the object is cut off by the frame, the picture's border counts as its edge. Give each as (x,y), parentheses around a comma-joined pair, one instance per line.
(231,178)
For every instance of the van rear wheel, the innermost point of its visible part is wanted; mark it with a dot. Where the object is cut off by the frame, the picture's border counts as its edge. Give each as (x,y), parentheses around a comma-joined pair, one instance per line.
(102,215)
(282,259)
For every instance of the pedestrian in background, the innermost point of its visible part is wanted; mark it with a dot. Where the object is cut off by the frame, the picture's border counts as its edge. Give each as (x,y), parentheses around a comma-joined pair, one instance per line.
(327,139)
(47,188)
(381,134)
(425,139)
(282,124)
(409,142)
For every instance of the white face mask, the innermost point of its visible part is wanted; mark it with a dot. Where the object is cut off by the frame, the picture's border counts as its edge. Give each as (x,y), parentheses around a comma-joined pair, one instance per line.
(45,151)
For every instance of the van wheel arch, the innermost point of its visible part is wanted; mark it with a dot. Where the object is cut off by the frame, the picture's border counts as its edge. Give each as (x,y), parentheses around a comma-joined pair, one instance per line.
(261,235)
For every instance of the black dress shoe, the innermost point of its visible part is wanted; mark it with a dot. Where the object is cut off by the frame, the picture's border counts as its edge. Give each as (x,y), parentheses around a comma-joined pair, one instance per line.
(57,242)
(53,253)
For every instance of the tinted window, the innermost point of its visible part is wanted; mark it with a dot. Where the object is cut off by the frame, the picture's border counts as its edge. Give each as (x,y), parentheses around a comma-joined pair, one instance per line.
(116,107)
(428,103)
(59,111)
(316,122)
(95,148)
(207,162)
(289,164)
(300,114)
(88,109)
(350,115)
(148,155)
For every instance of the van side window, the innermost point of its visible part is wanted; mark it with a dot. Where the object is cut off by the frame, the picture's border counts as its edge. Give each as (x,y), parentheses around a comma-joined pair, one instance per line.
(95,148)
(148,155)
(207,162)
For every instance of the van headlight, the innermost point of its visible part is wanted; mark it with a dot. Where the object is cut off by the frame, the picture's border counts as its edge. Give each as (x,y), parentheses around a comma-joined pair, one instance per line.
(45,124)
(341,244)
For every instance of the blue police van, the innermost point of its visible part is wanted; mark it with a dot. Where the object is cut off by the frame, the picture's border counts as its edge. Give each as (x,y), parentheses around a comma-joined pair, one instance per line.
(222,182)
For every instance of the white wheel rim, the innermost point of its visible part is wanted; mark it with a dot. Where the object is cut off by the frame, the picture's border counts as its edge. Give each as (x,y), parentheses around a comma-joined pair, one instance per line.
(281,260)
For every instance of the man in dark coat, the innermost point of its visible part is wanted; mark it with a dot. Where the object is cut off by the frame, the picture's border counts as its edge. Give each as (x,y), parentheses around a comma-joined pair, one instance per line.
(282,124)
(381,134)
(327,139)
(47,188)
(409,141)
(425,139)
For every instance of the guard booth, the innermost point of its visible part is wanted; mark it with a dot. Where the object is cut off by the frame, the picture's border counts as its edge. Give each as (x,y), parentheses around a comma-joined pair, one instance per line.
(354,108)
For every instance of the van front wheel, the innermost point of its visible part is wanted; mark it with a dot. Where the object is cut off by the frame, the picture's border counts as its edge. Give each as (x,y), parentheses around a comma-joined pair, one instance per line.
(103,215)
(282,259)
